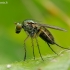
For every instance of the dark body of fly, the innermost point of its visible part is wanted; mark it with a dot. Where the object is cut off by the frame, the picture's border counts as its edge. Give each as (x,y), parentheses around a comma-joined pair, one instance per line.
(46,37)
(34,30)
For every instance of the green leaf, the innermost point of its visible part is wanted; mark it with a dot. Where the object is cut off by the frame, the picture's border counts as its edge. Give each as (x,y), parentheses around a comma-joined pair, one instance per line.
(51,62)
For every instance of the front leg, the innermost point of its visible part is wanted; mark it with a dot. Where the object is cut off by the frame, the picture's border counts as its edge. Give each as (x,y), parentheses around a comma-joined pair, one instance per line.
(25,47)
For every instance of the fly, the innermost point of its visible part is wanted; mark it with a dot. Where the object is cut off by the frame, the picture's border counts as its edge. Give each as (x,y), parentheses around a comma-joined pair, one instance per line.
(35,29)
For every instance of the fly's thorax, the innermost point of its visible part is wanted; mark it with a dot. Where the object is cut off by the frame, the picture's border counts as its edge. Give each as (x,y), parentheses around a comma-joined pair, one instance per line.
(27,25)
(32,31)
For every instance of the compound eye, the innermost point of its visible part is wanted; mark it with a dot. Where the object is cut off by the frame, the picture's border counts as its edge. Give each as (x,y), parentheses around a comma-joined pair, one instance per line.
(18,26)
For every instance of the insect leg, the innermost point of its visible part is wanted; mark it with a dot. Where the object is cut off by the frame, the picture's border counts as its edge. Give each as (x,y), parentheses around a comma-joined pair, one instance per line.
(51,48)
(33,47)
(61,46)
(25,47)
(39,49)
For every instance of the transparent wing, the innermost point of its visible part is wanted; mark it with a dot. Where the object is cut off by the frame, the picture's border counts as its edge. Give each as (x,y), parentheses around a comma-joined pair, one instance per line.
(49,26)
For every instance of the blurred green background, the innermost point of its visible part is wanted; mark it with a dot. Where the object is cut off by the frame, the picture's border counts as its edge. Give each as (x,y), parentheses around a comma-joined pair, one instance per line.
(52,12)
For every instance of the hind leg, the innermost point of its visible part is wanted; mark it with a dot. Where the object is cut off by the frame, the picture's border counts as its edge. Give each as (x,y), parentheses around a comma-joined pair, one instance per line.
(61,46)
(51,48)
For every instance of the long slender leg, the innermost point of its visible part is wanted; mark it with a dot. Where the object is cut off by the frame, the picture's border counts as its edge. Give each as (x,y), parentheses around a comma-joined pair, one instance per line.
(33,48)
(25,47)
(62,47)
(39,49)
(51,48)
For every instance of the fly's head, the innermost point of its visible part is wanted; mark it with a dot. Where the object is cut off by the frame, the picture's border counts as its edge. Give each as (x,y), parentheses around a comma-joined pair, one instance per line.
(18,27)
(27,25)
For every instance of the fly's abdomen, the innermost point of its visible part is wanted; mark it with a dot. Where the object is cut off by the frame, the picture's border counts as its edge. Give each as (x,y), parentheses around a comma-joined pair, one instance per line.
(47,36)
